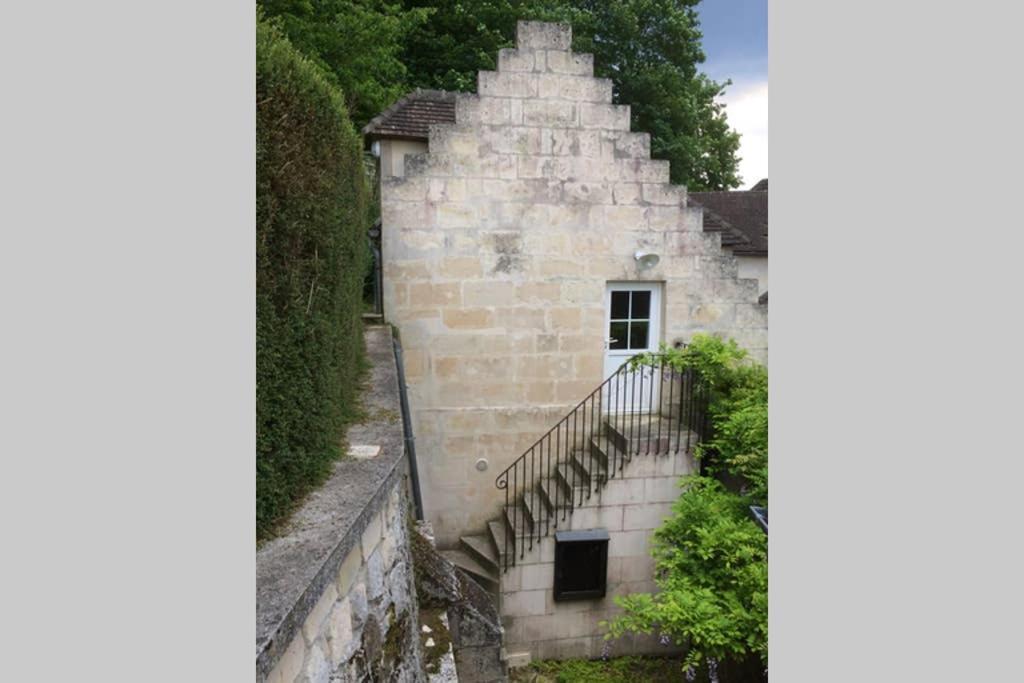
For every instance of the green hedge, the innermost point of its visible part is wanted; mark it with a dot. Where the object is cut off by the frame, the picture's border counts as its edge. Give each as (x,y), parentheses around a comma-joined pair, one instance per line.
(311,223)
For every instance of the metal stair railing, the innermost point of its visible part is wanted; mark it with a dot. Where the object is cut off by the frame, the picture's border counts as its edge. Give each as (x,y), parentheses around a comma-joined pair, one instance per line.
(618,403)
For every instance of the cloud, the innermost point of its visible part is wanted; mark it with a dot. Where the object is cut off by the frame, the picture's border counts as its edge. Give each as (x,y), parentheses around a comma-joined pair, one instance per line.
(746,107)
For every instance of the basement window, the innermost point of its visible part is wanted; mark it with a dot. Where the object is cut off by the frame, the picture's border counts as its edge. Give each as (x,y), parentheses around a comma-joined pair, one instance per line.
(581,564)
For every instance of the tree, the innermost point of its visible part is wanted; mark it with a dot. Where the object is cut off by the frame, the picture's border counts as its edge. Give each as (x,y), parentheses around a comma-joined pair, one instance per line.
(357,42)
(650,49)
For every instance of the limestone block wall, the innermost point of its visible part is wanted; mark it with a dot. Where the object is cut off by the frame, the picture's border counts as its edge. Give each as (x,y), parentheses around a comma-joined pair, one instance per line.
(393,153)
(497,247)
(365,624)
(755,267)
(629,508)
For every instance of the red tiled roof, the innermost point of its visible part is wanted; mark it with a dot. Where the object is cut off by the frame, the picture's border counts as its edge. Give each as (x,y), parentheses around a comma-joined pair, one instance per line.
(410,117)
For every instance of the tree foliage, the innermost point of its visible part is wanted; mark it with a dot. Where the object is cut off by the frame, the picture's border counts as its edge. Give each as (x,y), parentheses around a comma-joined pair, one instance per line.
(711,558)
(650,49)
(377,50)
(311,221)
(358,43)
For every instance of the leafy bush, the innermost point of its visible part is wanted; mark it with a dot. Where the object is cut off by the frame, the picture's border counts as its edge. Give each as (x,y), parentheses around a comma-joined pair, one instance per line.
(738,407)
(712,572)
(711,557)
(311,211)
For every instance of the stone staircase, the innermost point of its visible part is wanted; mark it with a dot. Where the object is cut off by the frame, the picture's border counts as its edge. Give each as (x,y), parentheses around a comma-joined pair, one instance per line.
(549,502)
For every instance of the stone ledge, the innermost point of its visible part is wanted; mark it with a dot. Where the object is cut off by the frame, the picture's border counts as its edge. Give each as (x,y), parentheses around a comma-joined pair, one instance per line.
(294,569)
(540,35)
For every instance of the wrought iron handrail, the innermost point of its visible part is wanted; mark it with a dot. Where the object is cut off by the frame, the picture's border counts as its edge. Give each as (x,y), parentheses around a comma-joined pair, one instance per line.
(607,425)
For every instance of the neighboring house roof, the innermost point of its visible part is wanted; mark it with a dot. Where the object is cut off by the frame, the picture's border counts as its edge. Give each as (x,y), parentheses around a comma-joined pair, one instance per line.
(410,117)
(740,215)
(731,237)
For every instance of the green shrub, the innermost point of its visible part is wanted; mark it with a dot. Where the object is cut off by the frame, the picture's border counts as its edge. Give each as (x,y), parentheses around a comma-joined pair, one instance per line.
(311,222)
(711,558)
(738,407)
(712,575)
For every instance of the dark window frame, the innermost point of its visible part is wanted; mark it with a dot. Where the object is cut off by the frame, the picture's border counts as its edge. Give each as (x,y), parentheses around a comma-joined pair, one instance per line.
(629,320)
(565,543)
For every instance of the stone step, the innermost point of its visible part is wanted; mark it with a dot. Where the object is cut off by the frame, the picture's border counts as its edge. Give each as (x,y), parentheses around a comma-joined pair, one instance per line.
(554,493)
(593,476)
(481,548)
(516,519)
(488,578)
(641,434)
(498,533)
(535,507)
(527,538)
(518,546)
(611,458)
(574,481)
(593,463)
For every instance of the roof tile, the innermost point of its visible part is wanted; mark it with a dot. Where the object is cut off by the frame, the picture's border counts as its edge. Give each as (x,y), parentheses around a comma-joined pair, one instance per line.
(741,216)
(411,117)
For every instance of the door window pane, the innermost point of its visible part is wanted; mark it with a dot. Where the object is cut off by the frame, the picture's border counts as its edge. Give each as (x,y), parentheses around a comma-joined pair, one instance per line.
(620,306)
(619,332)
(641,305)
(638,334)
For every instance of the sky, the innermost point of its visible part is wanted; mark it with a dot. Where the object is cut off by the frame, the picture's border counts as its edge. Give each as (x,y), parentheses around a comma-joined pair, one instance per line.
(736,45)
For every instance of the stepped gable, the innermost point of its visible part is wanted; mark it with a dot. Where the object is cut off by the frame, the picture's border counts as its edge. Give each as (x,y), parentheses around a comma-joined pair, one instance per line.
(498,243)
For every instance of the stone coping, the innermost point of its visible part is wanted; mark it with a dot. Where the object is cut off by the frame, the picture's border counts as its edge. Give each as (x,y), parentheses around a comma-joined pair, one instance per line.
(294,569)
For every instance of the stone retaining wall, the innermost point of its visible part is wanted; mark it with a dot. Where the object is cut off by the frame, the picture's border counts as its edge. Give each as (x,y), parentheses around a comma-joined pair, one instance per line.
(336,598)
(364,625)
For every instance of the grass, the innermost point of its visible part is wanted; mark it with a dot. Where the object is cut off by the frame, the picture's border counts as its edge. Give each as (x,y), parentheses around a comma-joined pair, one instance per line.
(616,670)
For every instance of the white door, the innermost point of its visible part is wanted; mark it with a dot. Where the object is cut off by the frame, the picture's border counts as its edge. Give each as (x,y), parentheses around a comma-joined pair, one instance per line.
(633,315)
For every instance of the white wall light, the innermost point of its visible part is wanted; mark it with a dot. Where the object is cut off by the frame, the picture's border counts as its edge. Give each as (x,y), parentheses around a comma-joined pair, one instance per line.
(646,259)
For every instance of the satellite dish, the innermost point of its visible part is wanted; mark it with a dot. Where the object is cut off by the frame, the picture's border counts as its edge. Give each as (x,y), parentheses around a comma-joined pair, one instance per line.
(646,259)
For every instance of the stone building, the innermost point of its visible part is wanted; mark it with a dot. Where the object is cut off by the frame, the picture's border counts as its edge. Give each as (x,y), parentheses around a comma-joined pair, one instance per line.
(530,246)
